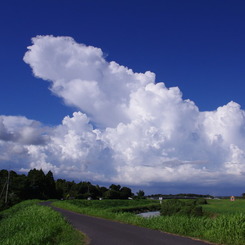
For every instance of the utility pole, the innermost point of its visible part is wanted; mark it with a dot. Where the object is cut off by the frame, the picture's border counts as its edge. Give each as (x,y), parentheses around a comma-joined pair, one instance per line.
(7,189)
(3,190)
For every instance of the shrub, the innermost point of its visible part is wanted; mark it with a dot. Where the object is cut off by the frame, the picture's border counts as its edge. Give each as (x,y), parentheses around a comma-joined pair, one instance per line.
(201,201)
(170,207)
(175,206)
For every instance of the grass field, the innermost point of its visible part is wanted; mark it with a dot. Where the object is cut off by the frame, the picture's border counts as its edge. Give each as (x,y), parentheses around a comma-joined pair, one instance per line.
(225,206)
(117,205)
(28,223)
(226,225)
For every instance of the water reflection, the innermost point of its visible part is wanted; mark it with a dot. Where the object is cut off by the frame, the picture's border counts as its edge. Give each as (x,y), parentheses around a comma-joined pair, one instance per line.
(150,214)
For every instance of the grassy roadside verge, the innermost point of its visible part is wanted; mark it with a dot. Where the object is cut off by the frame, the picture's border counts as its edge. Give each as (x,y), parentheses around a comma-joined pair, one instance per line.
(228,229)
(28,223)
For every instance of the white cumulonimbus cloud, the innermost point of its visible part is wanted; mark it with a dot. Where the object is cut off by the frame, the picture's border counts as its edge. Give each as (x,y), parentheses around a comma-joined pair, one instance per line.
(127,128)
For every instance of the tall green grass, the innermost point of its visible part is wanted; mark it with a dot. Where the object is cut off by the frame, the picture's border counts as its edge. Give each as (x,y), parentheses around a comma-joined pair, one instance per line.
(134,206)
(28,223)
(227,228)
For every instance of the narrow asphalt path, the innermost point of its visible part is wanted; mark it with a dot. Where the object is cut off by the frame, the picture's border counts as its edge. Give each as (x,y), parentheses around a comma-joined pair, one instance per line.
(106,232)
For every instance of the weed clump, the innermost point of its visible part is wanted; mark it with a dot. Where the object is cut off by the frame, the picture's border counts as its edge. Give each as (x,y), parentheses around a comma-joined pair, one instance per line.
(201,201)
(178,207)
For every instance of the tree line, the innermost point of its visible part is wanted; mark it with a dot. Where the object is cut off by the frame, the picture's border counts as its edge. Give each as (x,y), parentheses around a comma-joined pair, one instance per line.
(180,196)
(38,185)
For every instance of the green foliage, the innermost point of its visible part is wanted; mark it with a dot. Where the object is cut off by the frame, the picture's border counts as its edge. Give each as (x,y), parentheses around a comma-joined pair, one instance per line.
(37,185)
(112,194)
(109,206)
(30,224)
(224,206)
(140,194)
(227,228)
(16,191)
(178,207)
(201,201)
(117,192)
(125,193)
(115,187)
(50,188)
(170,207)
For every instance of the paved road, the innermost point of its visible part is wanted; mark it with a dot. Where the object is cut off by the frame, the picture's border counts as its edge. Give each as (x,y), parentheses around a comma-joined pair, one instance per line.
(105,232)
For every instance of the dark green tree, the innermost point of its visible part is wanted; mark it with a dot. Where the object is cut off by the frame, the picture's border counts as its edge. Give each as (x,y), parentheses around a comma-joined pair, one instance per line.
(115,187)
(125,193)
(111,194)
(35,185)
(50,189)
(102,191)
(61,191)
(140,194)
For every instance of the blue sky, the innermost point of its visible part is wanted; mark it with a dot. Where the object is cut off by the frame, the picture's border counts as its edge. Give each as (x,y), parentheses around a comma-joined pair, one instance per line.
(197,46)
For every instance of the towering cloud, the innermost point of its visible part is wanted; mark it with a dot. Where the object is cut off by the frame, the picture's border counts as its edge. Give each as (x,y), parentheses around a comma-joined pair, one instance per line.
(80,75)
(128,128)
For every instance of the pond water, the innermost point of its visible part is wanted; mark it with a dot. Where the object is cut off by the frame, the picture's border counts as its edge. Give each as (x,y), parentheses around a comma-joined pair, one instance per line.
(150,214)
